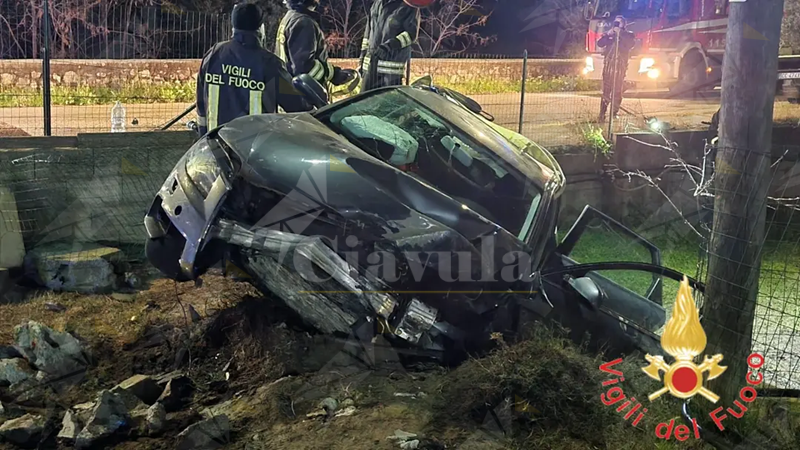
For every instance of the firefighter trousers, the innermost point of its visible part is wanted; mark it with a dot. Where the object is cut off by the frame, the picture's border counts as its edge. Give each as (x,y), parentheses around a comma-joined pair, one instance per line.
(372,77)
(612,93)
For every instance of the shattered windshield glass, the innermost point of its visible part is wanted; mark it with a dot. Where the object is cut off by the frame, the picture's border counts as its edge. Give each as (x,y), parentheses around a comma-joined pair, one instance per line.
(395,128)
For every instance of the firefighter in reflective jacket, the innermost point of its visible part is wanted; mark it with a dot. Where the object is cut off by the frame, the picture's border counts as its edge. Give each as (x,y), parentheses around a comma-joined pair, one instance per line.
(239,77)
(392,28)
(301,45)
(617,45)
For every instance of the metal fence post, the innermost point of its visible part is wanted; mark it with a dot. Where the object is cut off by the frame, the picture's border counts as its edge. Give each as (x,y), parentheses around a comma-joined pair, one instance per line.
(46,70)
(522,91)
(408,72)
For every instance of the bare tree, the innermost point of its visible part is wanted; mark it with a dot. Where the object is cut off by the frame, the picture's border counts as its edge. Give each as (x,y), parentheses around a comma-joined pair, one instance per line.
(569,18)
(345,21)
(449,27)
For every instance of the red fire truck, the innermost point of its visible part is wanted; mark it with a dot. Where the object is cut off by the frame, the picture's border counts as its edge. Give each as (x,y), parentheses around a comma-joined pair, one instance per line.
(680,43)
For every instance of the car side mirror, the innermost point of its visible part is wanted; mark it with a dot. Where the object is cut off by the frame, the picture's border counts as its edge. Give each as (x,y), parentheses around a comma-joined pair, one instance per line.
(311,89)
(589,292)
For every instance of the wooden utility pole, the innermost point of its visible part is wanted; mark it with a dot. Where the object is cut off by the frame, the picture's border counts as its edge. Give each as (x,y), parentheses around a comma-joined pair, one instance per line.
(742,174)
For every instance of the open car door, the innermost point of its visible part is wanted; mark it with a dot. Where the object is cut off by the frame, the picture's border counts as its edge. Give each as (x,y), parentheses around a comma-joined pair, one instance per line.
(626,269)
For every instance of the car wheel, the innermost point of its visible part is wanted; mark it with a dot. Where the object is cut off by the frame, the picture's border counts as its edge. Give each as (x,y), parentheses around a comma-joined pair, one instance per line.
(693,76)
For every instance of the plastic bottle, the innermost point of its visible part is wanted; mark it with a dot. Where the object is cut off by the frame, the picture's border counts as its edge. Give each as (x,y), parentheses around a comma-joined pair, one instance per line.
(117,118)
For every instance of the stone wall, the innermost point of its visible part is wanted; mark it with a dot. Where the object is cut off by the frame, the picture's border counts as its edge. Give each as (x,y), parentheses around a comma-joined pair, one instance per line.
(90,72)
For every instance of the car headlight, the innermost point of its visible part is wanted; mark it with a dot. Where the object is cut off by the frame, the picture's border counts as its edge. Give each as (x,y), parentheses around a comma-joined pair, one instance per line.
(646,64)
(202,167)
(589,65)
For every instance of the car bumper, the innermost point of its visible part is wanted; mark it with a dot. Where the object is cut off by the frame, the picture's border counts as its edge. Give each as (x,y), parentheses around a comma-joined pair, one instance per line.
(181,205)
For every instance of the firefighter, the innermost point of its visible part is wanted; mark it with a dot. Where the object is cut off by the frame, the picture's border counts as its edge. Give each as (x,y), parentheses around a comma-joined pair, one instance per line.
(239,77)
(617,44)
(301,45)
(392,27)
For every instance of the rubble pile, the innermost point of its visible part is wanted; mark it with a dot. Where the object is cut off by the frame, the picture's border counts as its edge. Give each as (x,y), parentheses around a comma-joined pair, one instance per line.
(42,363)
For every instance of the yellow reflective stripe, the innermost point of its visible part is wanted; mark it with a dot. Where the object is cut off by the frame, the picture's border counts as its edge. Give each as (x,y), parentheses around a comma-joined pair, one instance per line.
(387,71)
(213,106)
(201,121)
(330,70)
(392,64)
(255,102)
(364,44)
(404,38)
(318,71)
(281,38)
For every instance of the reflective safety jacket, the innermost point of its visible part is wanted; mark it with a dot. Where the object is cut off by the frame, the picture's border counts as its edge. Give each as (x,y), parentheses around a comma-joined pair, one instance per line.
(396,24)
(301,45)
(239,77)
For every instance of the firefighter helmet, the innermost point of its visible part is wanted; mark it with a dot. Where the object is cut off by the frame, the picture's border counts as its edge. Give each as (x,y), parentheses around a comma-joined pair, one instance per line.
(419,3)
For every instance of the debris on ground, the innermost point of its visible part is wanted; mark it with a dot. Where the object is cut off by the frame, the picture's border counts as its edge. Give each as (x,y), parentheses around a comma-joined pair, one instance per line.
(70,427)
(255,378)
(144,387)
(13,371)
(54,307)
(85,268)
(59,355)
(109,416)
(211,433)
(23,431)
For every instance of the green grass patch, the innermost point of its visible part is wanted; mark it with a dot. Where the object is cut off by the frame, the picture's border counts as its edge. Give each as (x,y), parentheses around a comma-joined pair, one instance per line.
(184,92)
(532,85)
(102,95)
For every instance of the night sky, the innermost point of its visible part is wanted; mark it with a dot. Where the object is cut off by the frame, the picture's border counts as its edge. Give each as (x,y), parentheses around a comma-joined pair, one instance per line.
(507,22)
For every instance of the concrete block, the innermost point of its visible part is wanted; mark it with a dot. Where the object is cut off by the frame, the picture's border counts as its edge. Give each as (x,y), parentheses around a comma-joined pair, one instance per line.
(12,247)
(86,268)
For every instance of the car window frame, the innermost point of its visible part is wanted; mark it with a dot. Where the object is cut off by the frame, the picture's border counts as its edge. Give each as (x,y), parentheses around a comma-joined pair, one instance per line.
(527,228)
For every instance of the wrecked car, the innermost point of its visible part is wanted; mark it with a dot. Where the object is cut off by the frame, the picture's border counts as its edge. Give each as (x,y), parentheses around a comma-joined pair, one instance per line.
(403,211)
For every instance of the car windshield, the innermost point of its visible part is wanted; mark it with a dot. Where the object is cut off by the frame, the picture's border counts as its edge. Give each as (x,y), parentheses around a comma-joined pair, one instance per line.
(395,128)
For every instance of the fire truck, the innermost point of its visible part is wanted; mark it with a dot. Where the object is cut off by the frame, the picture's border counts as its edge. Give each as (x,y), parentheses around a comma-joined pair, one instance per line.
(679,43)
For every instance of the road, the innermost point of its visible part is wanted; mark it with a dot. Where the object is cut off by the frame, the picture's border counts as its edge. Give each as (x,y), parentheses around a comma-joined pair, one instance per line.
(551,119)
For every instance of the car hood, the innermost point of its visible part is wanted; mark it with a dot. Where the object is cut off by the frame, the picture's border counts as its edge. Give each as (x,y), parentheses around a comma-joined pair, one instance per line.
(300,158)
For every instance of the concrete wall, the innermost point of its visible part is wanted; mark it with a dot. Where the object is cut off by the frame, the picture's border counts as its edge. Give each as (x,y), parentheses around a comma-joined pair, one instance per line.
(96,187)
(91,72)
(88,188)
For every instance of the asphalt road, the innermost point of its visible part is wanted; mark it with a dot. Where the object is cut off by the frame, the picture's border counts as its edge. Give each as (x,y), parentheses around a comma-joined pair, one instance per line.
(550,119)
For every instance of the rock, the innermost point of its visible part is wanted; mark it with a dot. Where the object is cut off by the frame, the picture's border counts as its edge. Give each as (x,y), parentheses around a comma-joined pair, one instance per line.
(58,354)
(109,416)
(24,431)
(28,392)
(70,427)
(175,393)
(9,351)
(330,405)
(71,78)
(55,307)
(13,371)
(144,387)
(348,411)
(84,268)
(213,433)
(410,445)
(130,278)
(156,418)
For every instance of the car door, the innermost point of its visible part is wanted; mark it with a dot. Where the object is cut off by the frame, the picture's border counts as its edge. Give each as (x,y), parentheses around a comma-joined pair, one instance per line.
(632,302)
